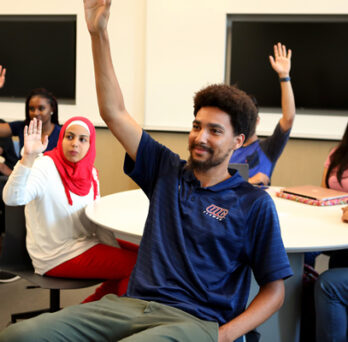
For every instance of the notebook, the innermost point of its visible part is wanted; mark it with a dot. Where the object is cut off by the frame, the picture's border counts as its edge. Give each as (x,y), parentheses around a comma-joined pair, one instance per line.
(314,195)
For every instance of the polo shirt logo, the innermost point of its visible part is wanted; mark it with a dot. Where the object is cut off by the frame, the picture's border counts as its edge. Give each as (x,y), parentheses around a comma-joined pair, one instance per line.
(216,212)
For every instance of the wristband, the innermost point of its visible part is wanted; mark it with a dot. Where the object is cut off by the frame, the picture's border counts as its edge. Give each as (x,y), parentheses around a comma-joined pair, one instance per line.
(285,79)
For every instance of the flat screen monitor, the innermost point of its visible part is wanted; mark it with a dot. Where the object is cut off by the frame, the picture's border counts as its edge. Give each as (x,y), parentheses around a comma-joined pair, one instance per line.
(38,51)
(319,71)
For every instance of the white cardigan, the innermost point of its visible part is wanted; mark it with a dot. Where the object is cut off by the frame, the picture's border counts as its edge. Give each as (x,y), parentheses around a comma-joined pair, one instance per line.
(56,231)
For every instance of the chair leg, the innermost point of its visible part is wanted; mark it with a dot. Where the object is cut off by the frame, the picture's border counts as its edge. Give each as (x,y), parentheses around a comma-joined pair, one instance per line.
(54,306)
(54,300)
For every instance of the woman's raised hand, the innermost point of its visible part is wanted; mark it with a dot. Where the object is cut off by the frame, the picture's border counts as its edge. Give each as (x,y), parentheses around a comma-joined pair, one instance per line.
(33,144)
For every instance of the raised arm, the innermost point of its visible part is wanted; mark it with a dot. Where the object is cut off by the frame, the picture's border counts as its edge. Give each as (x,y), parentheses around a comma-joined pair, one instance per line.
(2,76)
(269,300)
(110,99)
(4,169)
(20,188)
(281,64)
(5,130)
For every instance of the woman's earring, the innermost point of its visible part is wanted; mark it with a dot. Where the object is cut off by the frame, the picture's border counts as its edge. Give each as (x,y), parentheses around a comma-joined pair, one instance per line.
(51,113)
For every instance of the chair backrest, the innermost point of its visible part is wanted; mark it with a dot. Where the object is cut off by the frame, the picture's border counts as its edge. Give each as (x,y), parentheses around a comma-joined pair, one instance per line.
(15,258)
(14,251)
(242,168)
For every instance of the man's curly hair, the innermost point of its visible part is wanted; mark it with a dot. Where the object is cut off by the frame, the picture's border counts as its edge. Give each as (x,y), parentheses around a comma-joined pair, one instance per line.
(236,103)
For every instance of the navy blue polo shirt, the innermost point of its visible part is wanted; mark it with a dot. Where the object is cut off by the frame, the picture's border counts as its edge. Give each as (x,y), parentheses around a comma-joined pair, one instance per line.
(17,128)
(200,244)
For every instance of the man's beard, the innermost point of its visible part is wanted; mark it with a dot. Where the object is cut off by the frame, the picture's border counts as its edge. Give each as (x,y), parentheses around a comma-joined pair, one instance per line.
(210,162)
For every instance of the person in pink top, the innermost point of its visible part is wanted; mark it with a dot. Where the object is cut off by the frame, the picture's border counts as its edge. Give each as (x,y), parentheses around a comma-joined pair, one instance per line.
(331,302)
(335,176)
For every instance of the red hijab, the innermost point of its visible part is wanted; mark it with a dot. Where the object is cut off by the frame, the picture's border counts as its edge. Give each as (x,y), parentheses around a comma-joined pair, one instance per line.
(76,177)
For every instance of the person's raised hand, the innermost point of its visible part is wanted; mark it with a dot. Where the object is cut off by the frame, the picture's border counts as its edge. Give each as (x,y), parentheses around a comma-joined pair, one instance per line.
(97,14)
(2,76)
(33,145)
(281,62)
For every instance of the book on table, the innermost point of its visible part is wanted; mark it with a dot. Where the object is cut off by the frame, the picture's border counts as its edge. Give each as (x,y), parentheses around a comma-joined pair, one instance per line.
(314,195)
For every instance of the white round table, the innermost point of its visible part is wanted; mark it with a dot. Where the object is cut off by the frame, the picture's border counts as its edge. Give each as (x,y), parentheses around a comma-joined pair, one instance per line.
(304,227)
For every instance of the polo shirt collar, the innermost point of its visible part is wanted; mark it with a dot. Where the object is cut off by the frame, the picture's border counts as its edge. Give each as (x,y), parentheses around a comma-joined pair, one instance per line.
(232,182)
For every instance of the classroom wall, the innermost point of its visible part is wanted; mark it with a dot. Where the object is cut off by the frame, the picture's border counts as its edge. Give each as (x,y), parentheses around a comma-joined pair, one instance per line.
(135,39)
(301,162)
(164,51)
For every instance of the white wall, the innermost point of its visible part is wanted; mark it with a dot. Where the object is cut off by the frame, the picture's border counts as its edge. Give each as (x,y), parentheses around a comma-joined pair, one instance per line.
(127,24)
(186,51)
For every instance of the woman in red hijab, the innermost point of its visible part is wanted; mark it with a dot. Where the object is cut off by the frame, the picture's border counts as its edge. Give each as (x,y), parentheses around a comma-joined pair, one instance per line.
(55,188)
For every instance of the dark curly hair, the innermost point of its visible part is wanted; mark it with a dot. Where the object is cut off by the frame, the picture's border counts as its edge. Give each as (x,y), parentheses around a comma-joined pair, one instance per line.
(42,92)
(236,103)
(339,159)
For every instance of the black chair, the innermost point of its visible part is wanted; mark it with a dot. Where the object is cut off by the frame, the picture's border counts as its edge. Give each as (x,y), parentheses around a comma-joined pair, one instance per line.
(242,168)
(15,259)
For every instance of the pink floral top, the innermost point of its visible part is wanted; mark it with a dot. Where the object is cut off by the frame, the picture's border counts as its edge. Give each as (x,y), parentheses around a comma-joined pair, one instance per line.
(333,181)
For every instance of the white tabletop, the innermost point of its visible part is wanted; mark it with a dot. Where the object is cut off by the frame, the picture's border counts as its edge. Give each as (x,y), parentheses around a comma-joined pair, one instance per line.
(307,228)
(123,212)
(304,227)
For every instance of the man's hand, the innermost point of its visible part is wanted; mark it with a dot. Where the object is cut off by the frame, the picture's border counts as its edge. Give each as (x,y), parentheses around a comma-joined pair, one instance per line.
(97,14)
(223,335)
(345,214)
(2,76)
(268,300)
(281,62)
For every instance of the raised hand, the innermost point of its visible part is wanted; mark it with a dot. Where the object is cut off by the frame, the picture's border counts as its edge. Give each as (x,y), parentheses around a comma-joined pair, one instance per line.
(33,145)
(97,14)
(281,62)
(2,76)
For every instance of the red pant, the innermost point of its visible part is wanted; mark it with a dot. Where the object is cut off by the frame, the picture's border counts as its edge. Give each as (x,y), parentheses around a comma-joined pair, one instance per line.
(101,262)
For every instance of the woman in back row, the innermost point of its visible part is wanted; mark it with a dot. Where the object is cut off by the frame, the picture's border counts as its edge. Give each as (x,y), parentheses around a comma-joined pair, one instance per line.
(42,105)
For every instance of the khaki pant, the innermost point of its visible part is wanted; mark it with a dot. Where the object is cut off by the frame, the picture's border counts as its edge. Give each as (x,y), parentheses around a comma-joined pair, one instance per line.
(113,319)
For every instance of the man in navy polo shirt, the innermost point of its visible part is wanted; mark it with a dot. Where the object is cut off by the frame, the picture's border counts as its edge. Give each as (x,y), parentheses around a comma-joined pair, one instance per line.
(206,229)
